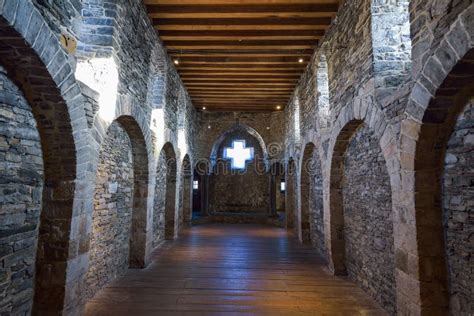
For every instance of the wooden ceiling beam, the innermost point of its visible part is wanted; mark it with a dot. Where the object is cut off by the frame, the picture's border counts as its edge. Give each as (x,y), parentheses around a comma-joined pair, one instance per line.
(186,27)
(241,54)
(259,7)
(238,77)
(318,21)
(240,33)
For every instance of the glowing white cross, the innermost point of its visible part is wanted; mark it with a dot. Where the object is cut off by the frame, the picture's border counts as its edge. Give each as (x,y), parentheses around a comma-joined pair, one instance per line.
(238,154)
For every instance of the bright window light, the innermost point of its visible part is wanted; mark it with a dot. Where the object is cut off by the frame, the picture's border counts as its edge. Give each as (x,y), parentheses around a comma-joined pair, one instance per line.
(238,154)
(283,186)
(195,185)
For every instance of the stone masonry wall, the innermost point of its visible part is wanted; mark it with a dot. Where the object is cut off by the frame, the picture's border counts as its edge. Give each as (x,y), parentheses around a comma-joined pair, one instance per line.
(244,191)
(368,220)
(21,189)
(458,206)
(110,242)
(268,125)
(317,205)
(160,201)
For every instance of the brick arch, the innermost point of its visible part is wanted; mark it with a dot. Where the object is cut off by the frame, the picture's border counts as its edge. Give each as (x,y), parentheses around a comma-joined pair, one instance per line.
(239,128)
(40,68)
(291,190)
(170,196)
(350,120)
(434,105)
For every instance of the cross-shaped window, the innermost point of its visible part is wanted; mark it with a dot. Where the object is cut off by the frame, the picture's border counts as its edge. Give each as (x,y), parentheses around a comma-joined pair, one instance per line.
(238,154)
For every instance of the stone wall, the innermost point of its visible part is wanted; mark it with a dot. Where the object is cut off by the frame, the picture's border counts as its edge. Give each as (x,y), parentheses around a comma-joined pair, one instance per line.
(111,221)
(316,204)
(368,220)
(21,190)
(160,201)
(211,125)
(458,180)
(239,191)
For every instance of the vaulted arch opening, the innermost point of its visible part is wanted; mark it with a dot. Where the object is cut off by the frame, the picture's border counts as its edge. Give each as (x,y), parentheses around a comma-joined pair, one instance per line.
(312,207)
(361,220)
(278,188)
(118,234)
(165,217)
(38,163)
(443,186)
(239,156)
(291,184)
(185,206)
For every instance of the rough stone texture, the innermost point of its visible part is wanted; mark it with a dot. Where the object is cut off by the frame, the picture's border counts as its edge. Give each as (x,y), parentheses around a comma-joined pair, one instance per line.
(211,125)
(362,84)
(111,221)
(239,191)
(21,189)
(160,201)
(368,221)
(458,206)
(316,203)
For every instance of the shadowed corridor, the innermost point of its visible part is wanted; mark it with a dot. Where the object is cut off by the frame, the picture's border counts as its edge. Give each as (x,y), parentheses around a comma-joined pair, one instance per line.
(223,269)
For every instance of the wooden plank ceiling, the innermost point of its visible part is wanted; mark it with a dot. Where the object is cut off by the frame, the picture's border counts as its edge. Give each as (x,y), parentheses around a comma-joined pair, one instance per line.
(241,55)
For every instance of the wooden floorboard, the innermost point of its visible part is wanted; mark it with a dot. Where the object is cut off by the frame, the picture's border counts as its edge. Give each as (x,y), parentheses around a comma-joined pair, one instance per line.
(218,269)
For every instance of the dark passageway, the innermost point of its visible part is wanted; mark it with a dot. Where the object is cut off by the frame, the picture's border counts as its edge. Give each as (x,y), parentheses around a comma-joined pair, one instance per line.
(228,269)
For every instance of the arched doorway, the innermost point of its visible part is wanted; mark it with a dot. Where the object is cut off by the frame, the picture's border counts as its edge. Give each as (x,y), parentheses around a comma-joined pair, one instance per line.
(186,191)
(443,191)
(118,236)
(278,189)
(39,169)
(200,190)
(311,190)
(239,159)
(168,167)
(361,217)
(291,194)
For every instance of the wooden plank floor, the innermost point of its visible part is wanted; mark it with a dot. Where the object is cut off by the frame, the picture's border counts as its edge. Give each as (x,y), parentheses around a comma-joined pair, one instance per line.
(221,269)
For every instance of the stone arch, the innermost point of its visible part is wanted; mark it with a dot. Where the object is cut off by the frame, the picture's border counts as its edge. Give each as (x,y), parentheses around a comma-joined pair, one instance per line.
(170,195)
(239,128)
(119,220)
(39,67)
(311,192)
(140,191)
(186,191)
(291,190)
(354,121)
(437,99)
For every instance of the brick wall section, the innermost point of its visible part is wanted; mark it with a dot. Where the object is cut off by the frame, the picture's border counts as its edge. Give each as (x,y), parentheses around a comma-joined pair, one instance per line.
(368,221)
(21,189)
(110,242)
(458,180)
